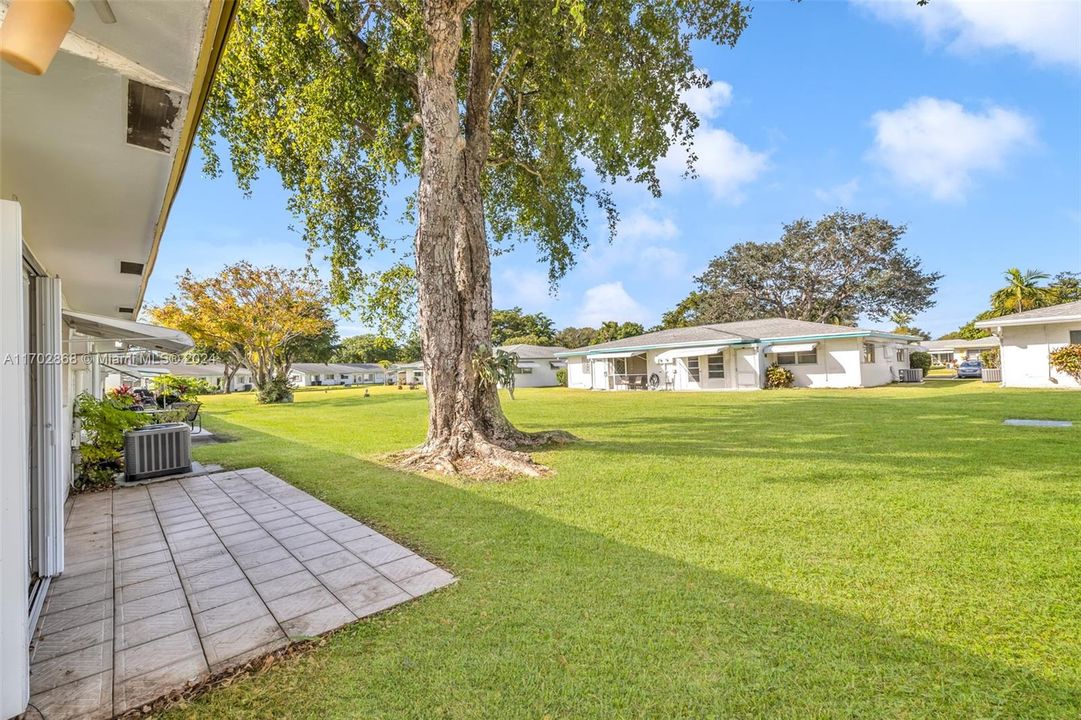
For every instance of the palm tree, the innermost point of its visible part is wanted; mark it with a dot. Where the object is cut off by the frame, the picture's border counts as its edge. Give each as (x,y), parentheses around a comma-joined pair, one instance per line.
(1022,292)
(900,319)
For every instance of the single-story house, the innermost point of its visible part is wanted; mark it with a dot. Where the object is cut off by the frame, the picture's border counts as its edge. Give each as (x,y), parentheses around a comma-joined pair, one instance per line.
(949,352)
(1028,339)
(140,374)
(313,374)
(537,364)
(735,356)
(406,374)
(93,153)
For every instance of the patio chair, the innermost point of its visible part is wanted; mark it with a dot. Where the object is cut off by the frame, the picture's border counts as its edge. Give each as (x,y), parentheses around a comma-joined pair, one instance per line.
(192,416)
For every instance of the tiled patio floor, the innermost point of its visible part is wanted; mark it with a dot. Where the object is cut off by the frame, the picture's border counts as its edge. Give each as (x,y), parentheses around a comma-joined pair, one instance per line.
(171,582)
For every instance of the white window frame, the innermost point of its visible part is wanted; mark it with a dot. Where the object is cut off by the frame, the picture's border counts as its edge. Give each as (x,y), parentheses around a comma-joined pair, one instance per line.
(1075,337)
(868,353)
(798,358)
(694,372)
(710,366)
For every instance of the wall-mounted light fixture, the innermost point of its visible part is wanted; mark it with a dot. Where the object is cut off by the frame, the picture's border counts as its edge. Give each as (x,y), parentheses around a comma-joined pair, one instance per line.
(32,32)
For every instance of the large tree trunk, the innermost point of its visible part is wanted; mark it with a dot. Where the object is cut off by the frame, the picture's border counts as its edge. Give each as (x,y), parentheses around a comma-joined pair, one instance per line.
(467,431)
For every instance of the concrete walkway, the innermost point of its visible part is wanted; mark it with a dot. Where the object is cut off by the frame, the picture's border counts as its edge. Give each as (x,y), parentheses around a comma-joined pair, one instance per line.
(169,583)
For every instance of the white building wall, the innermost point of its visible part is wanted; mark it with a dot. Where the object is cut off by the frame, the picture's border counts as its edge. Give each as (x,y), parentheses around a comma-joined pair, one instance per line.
(1025,355)
(578,372)
(14,470)
(542,375)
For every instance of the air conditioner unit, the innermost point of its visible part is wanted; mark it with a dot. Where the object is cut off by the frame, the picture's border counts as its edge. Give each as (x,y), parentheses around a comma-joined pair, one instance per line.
(156,450)
(910,374)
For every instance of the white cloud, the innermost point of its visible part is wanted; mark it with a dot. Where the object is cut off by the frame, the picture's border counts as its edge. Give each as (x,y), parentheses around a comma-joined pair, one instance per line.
(842,194)
(938,145)
(643,226)
(723,163)
(610,301)
(527,289)
(1047,31)
(708,102)
(641,245)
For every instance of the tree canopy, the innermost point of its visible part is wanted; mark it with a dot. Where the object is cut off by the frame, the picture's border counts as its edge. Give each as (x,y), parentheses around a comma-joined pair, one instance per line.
(514,323)
(500,108)
(258,316)
(1022,291)
(832,270)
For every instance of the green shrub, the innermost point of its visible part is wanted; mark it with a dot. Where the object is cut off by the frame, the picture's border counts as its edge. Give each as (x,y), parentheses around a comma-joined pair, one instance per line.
(561,376)
(1067,360)
(779,377)
(991,358)
(173,388)
(921,360)
(104,423)
(277,390)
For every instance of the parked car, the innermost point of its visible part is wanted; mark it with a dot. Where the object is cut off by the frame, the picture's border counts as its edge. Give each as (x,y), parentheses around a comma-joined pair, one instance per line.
(970,369)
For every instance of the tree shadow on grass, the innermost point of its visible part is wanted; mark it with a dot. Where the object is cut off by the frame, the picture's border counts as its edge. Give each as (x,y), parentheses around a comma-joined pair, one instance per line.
(552,620)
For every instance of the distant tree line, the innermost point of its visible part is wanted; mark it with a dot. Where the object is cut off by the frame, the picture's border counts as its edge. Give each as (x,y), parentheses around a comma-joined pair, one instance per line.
(1022,291)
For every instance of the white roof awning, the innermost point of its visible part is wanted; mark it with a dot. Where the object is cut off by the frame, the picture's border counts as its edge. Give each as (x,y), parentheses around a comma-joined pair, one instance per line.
(800,348)
(613,355)
(129,332)
(670,355)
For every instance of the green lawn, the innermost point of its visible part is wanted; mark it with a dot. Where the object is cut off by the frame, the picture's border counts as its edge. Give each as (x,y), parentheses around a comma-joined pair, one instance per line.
(895,553)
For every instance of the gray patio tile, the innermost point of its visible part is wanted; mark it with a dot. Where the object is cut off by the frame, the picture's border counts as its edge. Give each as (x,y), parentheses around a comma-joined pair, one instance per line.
(262,557)
(318,621)
(196,524)
(405,568)
(143,534)
(300,527)
(252,546)
(147,606)
(152,628)
(371,595)
(308,538)
(63,669)
(75,598)
(281,523)
(310,552)
(286,585)
(185,556)
(145,688)
(331,561)
(271,514)
(385,554)
(90,698)
(311,509)
(230,614)
(67,583)
(152,558)
(272,570)
(191,539)
(368,542)
(240,524)
(291,606)
(142,574)
(239,639)
(338,523)
(348,576)
(215,578)
(149,656)
(54,622)
(201,567)
(238,539)
(146,588)
(72,569)
(426,582)
(62,642)
(212,598)
(355,532)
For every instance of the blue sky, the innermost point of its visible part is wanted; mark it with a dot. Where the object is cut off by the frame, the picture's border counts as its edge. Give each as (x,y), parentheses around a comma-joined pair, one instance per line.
(961,120)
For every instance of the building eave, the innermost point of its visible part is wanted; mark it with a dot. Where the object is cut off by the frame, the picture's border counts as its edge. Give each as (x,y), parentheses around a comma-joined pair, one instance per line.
(220,15)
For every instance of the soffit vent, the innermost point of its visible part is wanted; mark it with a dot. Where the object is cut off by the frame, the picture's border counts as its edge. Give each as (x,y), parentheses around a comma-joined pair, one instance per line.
(153,114)
(131,268)
(126,311)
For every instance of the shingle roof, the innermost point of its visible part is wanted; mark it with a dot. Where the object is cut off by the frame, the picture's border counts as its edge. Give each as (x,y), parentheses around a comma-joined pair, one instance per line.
(534,352)
(990,341)
(741,331)
(1063,311)
(327,368)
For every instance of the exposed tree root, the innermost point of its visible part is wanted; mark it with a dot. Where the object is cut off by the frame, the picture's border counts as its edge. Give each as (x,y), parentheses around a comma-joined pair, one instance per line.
(482,458)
